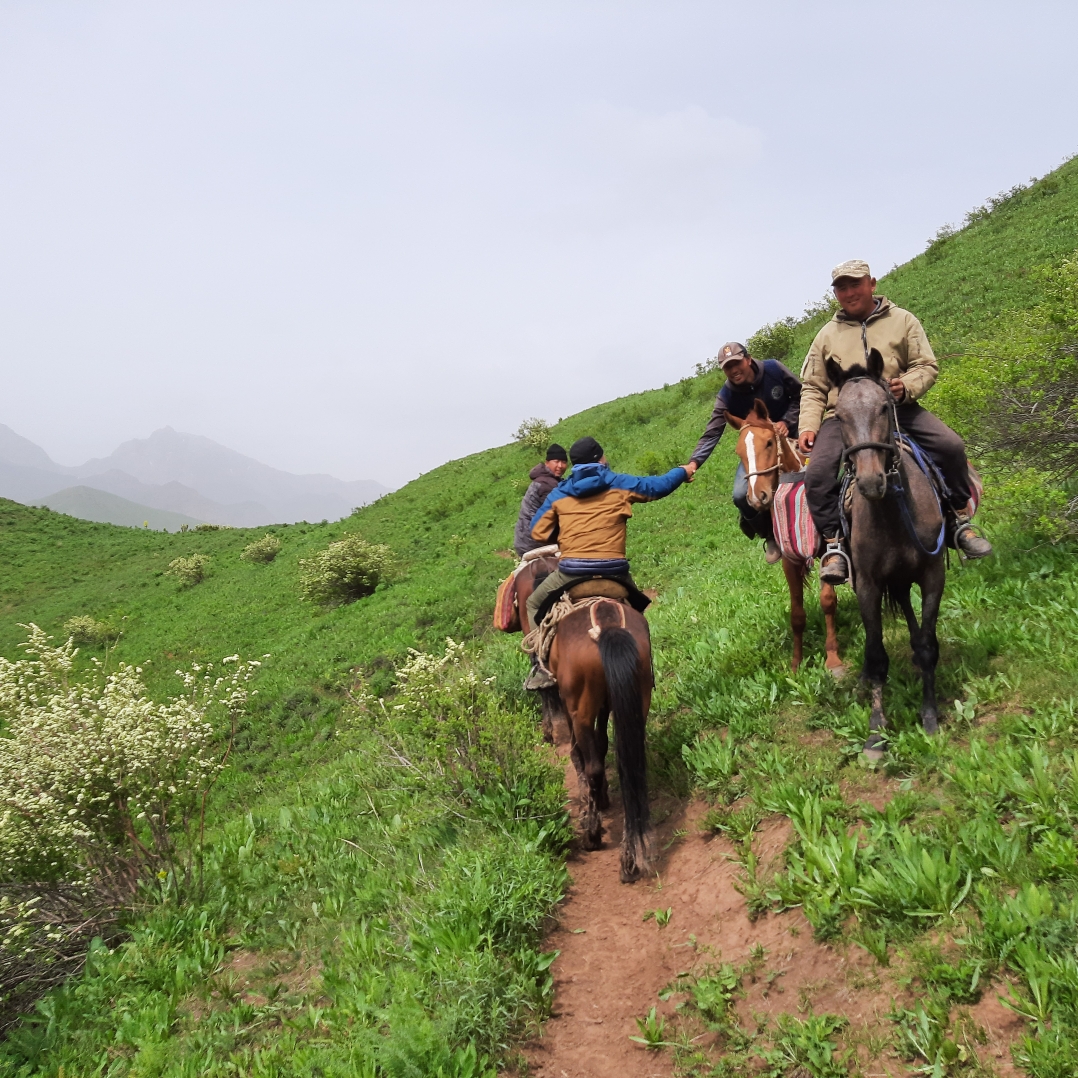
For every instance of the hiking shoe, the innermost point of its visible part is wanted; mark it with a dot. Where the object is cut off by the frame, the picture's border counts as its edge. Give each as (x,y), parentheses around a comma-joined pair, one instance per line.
(834,565)
(967,541)
(539,678)
(772,553)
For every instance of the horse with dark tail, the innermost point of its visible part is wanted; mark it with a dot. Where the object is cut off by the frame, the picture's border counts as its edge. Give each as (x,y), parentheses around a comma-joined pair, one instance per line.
(601,658)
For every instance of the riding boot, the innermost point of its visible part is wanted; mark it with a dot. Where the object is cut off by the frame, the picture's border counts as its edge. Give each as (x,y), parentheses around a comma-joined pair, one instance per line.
(539,678)
(835,563)
(772,553)
(966,540)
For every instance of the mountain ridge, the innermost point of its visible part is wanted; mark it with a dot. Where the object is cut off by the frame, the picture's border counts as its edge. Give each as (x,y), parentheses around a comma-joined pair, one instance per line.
(189,474)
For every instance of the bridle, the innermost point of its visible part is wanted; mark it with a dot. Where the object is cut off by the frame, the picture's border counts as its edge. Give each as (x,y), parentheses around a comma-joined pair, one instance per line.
(891,446)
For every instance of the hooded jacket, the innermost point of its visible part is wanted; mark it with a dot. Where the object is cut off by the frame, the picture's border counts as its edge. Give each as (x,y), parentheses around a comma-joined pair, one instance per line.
(901,341)
(587,513)
(543,481)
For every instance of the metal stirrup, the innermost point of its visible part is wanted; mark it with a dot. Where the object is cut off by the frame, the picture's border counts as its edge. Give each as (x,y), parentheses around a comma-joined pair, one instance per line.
(835,547)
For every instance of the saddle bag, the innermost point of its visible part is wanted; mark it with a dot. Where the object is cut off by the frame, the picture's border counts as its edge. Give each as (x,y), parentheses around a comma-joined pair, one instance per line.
(506,612)
(795,532)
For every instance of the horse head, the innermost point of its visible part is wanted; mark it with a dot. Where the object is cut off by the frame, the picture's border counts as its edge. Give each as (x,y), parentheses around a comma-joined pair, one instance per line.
(764,454)
(865,411)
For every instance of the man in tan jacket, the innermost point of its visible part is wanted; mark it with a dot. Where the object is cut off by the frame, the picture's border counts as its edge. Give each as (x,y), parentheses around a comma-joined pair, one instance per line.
(865,321)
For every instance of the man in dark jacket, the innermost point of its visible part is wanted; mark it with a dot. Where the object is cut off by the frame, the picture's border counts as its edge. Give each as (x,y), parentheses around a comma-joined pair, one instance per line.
(746,380)
(544,478)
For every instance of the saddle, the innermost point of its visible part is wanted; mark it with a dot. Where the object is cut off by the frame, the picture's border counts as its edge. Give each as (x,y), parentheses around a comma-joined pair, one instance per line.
(598,587)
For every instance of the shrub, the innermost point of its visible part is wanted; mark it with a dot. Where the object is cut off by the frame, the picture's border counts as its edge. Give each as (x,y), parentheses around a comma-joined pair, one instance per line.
(88,631)
(345,571)
(97,784)
(774,341)
(213,527)
(534,433)
(189,571)
(262,550)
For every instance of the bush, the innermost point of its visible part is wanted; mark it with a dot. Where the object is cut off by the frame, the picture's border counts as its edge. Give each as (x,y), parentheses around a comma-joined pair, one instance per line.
(97,784)
(774,341)
(262,550)
(534,433)
(87,631)
(345,571)
(189,571)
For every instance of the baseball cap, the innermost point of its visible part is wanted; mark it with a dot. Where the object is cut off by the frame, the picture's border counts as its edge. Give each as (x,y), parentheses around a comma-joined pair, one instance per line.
(855,267)
(730,351)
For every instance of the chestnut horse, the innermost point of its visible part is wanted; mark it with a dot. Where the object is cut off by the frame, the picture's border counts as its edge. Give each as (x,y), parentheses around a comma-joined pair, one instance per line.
(766,455)
(601,658)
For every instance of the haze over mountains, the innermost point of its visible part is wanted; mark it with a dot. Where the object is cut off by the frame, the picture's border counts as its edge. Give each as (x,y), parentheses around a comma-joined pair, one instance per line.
(185,477)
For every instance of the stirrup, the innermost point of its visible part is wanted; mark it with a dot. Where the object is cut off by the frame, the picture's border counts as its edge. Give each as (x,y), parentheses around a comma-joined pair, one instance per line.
(834,546)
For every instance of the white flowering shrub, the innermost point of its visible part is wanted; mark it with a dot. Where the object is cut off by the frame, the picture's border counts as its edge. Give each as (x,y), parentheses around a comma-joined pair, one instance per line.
(262,550)
(189,571)
(346,570)
(84,629)
(534,433)
(100,787)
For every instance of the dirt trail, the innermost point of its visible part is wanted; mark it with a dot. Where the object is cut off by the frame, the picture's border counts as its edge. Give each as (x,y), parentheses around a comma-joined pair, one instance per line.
(613,963)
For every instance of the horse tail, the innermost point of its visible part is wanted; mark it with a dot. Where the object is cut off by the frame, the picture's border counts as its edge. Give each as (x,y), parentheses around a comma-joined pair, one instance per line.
(621,661)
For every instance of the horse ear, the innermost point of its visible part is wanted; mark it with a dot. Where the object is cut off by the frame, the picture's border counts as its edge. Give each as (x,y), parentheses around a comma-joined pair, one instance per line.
(759,409)
(734,421)
(835,373)
(875,363)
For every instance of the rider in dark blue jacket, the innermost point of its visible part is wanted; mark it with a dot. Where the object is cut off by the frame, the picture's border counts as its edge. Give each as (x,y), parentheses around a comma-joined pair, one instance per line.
(746,380)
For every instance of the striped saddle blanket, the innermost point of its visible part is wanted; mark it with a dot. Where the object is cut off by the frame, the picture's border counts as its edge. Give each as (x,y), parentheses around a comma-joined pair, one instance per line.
(794,531)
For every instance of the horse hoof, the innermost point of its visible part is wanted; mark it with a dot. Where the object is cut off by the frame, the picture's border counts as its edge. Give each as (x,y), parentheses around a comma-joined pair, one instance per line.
(875,747)
(592,842)
(930,724)
(838,672)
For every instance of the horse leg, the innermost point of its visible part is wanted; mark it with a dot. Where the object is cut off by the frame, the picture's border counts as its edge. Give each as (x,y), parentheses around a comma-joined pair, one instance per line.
(602,743)
(795,581)
(554,717)
(927,649)
(870,599)
(584,707)
(829,606)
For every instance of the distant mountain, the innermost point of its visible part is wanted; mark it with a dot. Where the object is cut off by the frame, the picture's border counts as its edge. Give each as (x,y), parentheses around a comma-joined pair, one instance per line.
(228,477)
(86,503)
(186,474)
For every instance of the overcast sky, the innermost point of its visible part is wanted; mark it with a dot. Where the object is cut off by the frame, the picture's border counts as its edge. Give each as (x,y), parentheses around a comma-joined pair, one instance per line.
(367,238)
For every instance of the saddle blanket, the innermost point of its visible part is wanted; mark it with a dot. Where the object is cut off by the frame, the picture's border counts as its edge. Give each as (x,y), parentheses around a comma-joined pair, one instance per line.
(506,612)
(794,531)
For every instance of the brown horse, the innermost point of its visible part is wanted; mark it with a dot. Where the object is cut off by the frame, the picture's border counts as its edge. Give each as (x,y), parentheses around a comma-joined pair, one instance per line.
(555,725)
(601,658)
(765,455)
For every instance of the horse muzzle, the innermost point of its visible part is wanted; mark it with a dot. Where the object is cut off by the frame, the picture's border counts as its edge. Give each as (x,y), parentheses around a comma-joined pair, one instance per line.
(872,487)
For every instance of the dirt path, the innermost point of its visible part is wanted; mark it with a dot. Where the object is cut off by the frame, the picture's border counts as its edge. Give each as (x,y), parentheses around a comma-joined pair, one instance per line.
(613,963)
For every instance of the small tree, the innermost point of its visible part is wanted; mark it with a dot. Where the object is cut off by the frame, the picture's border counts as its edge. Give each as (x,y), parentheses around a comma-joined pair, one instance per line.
(262,550)
(345,571)
(534,433)
(773,341)
(189,571)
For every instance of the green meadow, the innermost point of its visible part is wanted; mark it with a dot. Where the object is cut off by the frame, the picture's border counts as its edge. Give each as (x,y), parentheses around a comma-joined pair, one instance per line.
(389,839)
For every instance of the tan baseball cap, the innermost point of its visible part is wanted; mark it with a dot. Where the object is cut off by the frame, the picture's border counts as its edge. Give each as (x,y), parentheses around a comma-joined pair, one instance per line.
(853,268)
(730,351)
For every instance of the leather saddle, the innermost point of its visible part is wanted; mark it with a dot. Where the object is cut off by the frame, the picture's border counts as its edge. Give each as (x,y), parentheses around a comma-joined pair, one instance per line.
(598,586)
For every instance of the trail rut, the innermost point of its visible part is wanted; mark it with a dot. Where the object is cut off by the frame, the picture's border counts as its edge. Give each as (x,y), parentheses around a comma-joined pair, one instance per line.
(613,964)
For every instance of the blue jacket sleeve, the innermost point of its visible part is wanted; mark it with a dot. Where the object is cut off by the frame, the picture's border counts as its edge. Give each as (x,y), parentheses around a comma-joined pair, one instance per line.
(649,488)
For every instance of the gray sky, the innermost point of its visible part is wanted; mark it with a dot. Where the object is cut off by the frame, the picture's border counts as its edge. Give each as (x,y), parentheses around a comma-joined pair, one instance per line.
(365,239)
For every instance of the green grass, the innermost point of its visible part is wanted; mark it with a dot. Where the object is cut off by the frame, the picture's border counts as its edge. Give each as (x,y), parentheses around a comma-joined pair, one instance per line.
(378,880)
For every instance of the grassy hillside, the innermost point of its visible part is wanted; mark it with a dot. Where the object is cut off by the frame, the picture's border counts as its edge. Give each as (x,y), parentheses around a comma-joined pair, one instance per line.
(378,878)
(86,503)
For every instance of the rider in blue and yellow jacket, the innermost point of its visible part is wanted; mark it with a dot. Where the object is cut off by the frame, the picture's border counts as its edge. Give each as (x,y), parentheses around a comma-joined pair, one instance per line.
(587,515)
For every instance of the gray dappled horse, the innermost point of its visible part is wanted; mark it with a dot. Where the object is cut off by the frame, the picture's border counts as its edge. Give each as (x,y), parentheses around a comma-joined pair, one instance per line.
(896,538)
